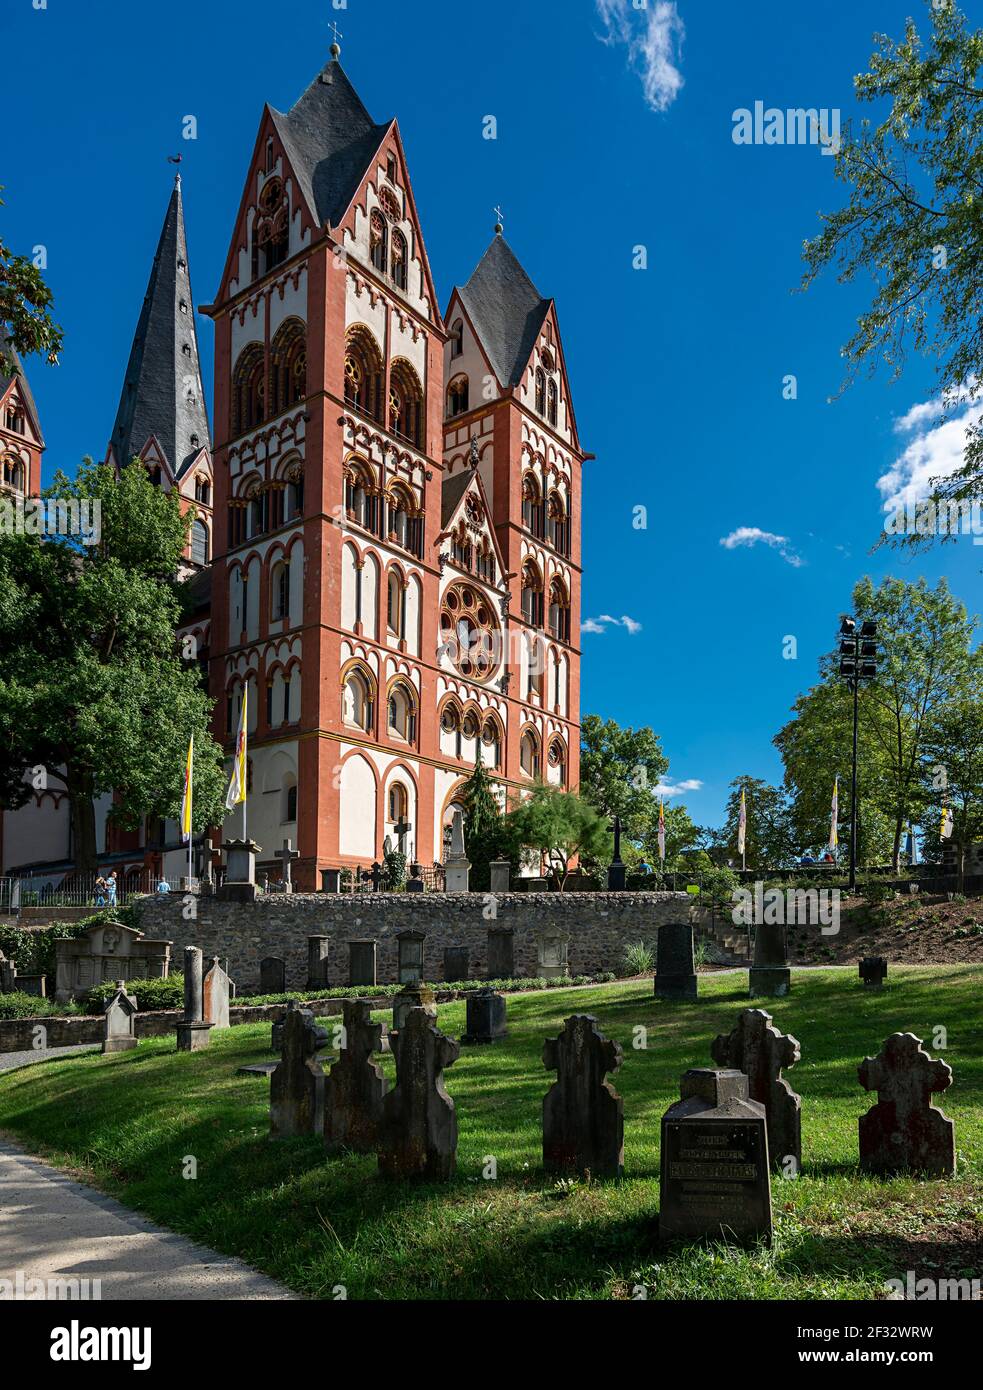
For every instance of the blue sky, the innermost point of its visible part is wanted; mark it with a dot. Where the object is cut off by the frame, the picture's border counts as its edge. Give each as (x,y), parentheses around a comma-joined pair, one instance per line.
(614,131)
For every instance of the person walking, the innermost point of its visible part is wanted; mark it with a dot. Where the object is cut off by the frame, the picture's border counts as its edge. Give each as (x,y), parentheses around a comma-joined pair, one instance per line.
(111,889)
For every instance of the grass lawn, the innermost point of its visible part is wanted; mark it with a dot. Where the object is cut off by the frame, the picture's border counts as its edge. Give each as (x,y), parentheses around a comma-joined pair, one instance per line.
(126,1123)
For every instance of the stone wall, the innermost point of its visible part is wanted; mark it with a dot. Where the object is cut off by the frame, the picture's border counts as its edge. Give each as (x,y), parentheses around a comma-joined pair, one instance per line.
(598,926)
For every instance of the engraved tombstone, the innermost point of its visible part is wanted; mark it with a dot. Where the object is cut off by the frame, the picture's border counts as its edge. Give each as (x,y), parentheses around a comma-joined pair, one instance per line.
(873,971)
(410,948)
(419,1127)
(297,1083)
(675,971)
(457,867)
(551,952)
(714,1161)
(485,1013)
(769,973)
(413,997)
(355,1087)
(216,988)
(194,1030)
(108,951)
(501,875)
(272,975)
(318,948)
(760,1051)
(239,882)
(501,953)
(456,961)
(583,1115)
(362,962)
(904,1131)
(118,1021)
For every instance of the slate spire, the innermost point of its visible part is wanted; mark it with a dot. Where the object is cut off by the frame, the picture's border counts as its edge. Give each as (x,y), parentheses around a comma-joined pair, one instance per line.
(162,395)
(506,309)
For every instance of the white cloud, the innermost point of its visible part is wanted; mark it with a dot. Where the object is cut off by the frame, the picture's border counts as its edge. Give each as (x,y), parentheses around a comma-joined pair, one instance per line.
(654,37)
(692,784)
(753,535)
(602,623)
(935,450)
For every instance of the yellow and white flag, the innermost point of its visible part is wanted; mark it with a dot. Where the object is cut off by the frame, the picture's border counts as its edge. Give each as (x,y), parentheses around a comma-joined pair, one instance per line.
(834,834)
(662,831)
(186,799)
(948,824)
(742,825)
(237,785)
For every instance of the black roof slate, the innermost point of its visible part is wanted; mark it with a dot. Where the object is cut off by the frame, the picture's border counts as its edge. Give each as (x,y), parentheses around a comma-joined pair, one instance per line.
(23,385)
(506,309)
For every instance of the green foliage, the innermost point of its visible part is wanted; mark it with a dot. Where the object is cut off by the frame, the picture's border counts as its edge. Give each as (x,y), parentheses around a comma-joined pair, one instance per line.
(89,677)
(33,949)
(639,959)
(559,825)
(619,770)
(25,301)
(768,841)
(149,994)
(19,1005)
(912,220)
(485,836)
(393,871)
(953,772)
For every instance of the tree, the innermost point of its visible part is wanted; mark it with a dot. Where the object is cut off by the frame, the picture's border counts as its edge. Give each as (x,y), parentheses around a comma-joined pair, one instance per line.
(24,303)
(768,842)
(953,772)
(93,696)
(681,837)
(913,221)
(484,837)
(559,825)
(619,771)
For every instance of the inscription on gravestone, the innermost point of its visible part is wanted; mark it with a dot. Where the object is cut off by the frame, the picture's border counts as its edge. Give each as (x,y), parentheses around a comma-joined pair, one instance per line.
(410,947)
(714,1161)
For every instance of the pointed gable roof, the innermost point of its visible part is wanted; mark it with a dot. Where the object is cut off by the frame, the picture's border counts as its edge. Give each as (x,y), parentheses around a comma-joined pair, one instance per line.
(330,139)
(155,401)
(18,375)
(453,492)
(506,310)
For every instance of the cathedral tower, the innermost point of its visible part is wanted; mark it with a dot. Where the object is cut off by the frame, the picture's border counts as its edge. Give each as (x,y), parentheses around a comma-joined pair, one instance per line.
(21,441)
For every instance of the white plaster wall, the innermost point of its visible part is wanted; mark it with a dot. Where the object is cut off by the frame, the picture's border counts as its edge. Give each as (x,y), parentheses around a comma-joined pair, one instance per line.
(357,808)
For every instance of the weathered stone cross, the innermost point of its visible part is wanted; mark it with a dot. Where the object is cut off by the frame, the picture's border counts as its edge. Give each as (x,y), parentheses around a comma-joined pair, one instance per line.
(904,1131)
(286,857)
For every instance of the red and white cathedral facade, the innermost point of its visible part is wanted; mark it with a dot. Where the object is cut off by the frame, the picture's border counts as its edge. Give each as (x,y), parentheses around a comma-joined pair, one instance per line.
(387,525)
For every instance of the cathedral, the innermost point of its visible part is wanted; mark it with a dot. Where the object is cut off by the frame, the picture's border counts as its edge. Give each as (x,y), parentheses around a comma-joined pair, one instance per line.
(385,546)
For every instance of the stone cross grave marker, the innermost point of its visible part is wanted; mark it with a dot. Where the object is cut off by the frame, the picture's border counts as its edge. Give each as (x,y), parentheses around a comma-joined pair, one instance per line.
(583,1115)
(216,989)
(904,1131)
(272,975)
(118,1021)
(419,1126)
(457,867)
(297,1084)
(355,1087)
(675,971)
(756,1047)
(873,971)
(286,856)
(413,997)
(714,1161)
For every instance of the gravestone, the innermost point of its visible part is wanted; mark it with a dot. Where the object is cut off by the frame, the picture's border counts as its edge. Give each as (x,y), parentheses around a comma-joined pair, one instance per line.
(276,1031)
(193,1031)
(714,1161)
(675,971)
(769,973)
(457,866)
(330,880)
(239,882)
(355,1086)
(318,948)
(410,949)
(873,971)
(272,975)
(297,1083)
(286,856)
(904,1131)
(537,884)
(8,974)
(583,1115)
(415,883)
(485,1014)
(551,954)
(456,962)
(760,1051)
(108,951)
(418,1137)
(216,988)
(118,1021)
(413,997)
(501,875)
(501,953)
(362,962)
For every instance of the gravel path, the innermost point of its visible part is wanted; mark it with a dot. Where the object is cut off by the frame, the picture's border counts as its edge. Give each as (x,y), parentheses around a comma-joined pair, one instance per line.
(10,1061)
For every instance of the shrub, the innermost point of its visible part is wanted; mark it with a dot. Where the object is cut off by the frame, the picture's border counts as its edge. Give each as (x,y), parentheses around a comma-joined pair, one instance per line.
(33,949)
(19,1005)
(718,884)
(149,994)
(639,958)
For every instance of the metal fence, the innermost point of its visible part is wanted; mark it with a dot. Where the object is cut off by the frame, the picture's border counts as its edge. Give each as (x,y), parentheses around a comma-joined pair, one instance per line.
(73,890)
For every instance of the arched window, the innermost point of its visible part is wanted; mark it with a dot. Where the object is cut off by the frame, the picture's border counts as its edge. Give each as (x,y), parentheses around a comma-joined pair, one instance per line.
(457,396)
(557,758)
(559,610)
(199,543)
(203,490)
(551,402)
(558,528)
(457,337)
(406,403)
(363,372)
(399,803)
(280,590)
(486,562)
(399,260)
(271,231)
(540,391)
(394,604)
(461,548)
(532,594)
(400,519)
(357,707)
(288,366)
(450,718)
(361,497)
(491,743)
(13,472)
(378,241)
(294,502)
(470,725)
(249,389)
(402,712)
(529,753)
(288,799)
(532,505)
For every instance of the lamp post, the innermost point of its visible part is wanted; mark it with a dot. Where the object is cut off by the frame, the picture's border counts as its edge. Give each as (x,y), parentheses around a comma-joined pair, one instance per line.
(858,661)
